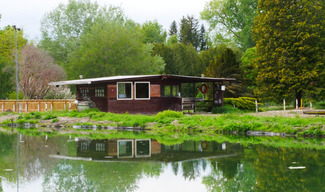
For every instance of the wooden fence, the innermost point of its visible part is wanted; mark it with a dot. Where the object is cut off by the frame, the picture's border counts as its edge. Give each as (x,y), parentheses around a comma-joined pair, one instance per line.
(37,105)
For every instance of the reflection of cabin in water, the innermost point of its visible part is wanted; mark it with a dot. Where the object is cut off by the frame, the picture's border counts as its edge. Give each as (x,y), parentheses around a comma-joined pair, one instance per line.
(143,93)
(138,149)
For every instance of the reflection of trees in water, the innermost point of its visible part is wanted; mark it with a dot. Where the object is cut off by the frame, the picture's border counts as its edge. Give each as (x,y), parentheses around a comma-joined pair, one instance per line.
(241,179)
(65,177)
(274,175)
(112,176)
(192,169)
(8,148)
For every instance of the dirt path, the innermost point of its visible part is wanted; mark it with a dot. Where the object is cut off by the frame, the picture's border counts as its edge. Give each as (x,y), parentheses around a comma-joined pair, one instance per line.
(7,117)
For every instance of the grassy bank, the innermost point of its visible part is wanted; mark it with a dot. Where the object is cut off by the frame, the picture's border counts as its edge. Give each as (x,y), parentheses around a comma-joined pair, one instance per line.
(177,122)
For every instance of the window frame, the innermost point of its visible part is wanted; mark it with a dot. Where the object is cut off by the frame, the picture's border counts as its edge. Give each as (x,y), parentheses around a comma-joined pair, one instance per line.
(135,90)
(117,96)
(98,90)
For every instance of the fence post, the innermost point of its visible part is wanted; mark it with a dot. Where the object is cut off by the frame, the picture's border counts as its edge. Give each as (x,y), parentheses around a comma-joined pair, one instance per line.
(38,107)
(284,104)
(256,106)
(69,106)
(45,106)
(310,105)
(2,107)
(20,108)
(26,107)
(51,107)
(14,107)
(296,104)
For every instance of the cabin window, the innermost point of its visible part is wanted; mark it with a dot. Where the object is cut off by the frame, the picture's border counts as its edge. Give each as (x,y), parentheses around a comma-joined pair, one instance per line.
(84,93)
(142,90)
(170,90)
(100,147)
(143,148)
(99,92)
(124,148)
(124,90)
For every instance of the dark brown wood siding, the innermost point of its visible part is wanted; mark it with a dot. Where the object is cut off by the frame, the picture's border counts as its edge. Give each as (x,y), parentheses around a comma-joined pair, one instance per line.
(154,105)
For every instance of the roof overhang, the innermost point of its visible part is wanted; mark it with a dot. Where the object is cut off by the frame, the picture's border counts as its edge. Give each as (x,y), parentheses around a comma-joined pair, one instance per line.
(180,78)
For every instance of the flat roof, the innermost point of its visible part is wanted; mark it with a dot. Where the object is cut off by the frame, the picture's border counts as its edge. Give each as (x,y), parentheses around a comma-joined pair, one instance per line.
(184,79)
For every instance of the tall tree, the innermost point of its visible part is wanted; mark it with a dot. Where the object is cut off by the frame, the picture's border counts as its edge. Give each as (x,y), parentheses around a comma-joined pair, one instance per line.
(226,65)
(180,59)
(290,41)
(7,58)
(37,68)
(231,21)
(153,32)
(114,48)
(189,31)
(173,29)
(202,39)
(62,27)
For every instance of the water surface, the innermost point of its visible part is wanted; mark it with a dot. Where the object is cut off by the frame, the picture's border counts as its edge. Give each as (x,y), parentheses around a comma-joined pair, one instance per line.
(67,163)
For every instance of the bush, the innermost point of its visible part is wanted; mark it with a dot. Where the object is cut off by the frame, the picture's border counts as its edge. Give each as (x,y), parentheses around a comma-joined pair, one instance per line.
(13,95)
(225,109)
(244,103)
(169,113)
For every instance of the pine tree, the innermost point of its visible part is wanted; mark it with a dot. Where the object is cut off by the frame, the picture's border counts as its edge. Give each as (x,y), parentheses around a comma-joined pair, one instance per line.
(189,31)
(173,29)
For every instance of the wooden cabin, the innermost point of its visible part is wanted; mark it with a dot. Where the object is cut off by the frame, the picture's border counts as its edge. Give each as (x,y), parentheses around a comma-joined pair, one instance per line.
(146,94)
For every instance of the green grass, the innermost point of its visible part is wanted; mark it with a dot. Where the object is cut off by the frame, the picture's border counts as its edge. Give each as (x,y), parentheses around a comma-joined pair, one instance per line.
(177,122)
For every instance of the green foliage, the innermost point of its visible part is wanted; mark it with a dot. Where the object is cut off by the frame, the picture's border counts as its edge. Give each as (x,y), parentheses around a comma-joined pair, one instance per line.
(114,48)
(13,95)
(244,103)
(173,29)
(7,57)
(289,37)
(180,59)
(225,109)
(189,31)
(248,69)
(61,28)
(231,21)
(49,116)
(153,32)
(225,65)
(169,113)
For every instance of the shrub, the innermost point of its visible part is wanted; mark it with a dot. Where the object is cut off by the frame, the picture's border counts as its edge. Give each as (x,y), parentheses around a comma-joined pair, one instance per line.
(169,113)
(244,103)
(225,109)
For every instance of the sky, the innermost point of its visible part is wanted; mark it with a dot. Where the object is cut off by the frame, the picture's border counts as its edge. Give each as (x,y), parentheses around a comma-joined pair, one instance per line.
(27,14)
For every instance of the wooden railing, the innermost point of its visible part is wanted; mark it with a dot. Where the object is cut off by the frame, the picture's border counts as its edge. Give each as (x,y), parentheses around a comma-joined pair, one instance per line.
(191,103)
(37,105)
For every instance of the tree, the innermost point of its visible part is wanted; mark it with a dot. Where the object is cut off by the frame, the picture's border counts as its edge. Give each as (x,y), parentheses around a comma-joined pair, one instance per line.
(114,48)
(202,39)
(290,41)
(36,70)
(62,27)
(231,21)
(173,29)
(248,69)
(7,57)
(154,32)
(189,31)
(226,65)
(180,59)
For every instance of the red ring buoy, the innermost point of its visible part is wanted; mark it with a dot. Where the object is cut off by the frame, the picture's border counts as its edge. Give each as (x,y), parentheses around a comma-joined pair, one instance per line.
(204,145)
(204,88)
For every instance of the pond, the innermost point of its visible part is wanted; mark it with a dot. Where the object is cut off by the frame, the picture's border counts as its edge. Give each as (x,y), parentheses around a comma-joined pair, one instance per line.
(74,163)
